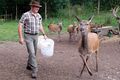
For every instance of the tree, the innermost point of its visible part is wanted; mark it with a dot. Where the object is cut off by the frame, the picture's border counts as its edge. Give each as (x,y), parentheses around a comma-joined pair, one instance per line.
(98,10)
(16,3)
(3,6)
(45,3)
(57,5)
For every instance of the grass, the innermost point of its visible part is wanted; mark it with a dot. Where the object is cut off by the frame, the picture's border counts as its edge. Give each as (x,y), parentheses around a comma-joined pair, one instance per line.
(8,29)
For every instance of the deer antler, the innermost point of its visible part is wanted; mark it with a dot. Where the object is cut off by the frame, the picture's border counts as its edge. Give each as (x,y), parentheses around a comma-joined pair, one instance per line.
(77,18)
(90,19)
(115,10)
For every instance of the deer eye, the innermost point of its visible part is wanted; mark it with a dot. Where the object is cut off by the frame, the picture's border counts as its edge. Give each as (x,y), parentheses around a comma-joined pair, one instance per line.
(80,23)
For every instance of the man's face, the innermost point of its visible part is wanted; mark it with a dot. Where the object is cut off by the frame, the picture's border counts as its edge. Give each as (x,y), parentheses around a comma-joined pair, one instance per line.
(35,9)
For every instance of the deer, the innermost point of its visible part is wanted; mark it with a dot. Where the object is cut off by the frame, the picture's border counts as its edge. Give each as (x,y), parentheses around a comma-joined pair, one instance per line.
(88,44)
(114,12)
(73,31)
(56,28)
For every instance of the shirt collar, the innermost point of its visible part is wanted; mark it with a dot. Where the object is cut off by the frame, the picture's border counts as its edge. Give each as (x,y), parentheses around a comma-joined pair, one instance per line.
(33,13)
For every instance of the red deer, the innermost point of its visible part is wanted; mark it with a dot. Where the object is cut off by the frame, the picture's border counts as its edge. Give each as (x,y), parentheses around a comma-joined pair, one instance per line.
(88,44)
(73,31)
(115,10)
(56,28)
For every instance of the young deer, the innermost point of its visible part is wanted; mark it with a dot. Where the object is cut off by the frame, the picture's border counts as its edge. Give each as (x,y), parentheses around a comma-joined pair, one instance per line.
(56,28)
(73,31)
(89,44)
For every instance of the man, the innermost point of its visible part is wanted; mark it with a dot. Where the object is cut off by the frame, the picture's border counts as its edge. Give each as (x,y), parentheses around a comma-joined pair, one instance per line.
(31,23)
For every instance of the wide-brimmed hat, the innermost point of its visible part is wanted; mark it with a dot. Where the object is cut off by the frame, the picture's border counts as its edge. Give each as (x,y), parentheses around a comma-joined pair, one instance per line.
(35,3)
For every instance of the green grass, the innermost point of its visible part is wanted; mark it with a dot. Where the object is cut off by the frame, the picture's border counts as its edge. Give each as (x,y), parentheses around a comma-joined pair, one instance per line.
(8,30)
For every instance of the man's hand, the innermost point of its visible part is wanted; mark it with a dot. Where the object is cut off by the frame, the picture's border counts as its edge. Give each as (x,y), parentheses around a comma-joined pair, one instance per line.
(21,41)
(45,37)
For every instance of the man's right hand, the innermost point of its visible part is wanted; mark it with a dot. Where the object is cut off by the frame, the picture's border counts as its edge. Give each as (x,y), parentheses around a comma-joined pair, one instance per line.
(45,37)
(21,41)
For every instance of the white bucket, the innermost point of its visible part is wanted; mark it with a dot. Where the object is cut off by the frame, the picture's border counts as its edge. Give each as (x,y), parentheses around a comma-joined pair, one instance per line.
(46,46)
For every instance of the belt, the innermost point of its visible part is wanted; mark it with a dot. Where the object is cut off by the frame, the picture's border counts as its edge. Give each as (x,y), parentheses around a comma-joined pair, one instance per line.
(31,33)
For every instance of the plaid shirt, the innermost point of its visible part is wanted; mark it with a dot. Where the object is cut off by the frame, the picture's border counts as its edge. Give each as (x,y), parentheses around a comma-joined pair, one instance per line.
(31,22)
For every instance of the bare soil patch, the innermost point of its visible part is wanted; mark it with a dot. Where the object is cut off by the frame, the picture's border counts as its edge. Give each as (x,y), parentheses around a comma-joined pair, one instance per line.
(64,65)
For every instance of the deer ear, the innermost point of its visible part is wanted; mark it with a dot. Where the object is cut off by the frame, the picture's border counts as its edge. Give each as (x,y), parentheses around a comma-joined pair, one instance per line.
(77,18)
(90,19)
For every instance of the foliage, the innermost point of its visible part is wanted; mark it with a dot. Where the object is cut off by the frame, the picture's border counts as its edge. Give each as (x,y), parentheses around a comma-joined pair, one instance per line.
(8,31)
(55,7)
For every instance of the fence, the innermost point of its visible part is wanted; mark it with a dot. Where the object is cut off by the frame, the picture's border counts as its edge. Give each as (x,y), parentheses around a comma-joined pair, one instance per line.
(5,17)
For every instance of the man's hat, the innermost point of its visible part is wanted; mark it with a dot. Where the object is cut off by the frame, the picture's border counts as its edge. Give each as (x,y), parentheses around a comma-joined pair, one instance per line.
(35,3)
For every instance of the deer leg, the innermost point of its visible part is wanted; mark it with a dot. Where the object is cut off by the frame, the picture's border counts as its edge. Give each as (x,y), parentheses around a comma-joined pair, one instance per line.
(72,36)
(75,36)
(59,36)
(96,61)
(69,36)
(88,69)
(50,32)
(83,66)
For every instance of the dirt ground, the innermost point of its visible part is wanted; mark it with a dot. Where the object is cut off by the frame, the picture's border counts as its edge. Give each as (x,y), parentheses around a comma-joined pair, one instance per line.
(65,64)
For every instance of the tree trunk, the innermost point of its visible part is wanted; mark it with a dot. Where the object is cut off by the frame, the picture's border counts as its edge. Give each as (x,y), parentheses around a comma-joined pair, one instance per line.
(45,10)
(69,9)
(5,18)
(119,27)
(98,9)
(16,13)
